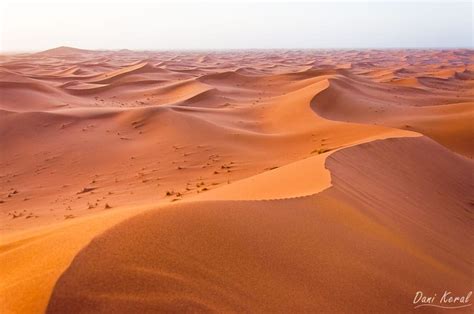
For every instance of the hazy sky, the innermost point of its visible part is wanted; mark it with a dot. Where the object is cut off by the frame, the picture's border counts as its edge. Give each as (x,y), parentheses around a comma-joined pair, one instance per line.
(107,24)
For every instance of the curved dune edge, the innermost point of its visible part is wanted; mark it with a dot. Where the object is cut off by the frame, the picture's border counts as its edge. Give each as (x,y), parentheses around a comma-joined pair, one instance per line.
(301,178)
(39,287)
(307,176)
(63,241)
(32,261)
(446,118)
(285,119)
(28,274)
(293,254)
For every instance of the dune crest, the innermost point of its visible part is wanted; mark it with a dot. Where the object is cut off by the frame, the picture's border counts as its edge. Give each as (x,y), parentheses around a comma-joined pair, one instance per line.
(288,255)
(274,181)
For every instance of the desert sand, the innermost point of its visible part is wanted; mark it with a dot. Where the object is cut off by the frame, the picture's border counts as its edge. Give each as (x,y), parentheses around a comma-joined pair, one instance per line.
(234,181)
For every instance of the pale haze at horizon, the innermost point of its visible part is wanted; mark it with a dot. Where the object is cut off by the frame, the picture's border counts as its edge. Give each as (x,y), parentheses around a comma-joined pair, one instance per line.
(167,26)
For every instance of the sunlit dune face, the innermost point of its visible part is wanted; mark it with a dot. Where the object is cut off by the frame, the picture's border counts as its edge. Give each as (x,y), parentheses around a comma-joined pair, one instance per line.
(270,179)
(133,127)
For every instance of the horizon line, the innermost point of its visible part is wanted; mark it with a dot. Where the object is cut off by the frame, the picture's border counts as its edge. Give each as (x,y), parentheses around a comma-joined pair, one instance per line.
(238,49)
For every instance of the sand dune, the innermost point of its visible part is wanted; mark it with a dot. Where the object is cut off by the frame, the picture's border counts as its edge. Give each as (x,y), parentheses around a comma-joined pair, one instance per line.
(32,261)
(294,254)
(274,181)
(63,51)
(444,116)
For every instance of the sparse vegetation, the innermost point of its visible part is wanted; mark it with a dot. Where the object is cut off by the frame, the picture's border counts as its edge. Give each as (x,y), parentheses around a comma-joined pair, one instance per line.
(320,151)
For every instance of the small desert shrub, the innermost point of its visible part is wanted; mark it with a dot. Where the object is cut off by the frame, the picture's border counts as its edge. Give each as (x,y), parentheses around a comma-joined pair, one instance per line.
(320,151)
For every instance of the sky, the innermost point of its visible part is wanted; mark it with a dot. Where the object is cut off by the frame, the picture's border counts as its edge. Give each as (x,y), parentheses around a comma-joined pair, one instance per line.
(185,25)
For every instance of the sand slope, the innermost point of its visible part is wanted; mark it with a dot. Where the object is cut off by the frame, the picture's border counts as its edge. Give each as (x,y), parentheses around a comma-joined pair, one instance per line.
(31,262)
(276,180)
(293,254)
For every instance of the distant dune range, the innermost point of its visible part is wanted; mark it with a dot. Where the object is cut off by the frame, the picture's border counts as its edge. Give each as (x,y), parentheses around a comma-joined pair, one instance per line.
(246,181)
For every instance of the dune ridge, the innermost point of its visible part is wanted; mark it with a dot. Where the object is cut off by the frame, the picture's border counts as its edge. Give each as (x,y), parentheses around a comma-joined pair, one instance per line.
(286,255)
(313,173)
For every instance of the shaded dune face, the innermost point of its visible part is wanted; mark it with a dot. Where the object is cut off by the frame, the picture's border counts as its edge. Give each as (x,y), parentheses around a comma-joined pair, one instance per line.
(444,115)
(263,181)
(395,221)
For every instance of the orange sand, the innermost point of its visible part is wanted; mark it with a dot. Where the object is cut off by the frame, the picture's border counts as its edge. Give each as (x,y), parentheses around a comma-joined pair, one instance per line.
(331,181)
